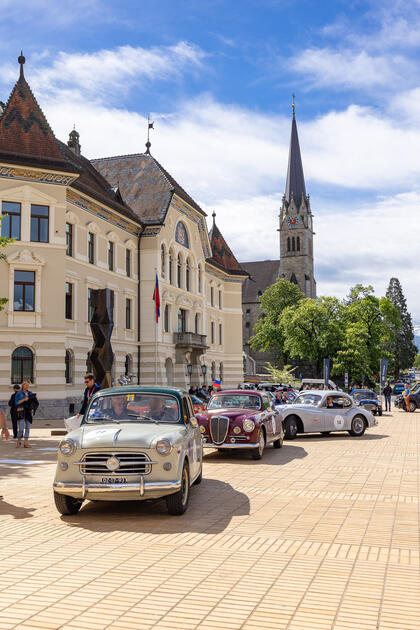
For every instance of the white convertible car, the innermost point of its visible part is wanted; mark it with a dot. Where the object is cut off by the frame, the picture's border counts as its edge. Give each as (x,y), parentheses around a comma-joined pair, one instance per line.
(324,412)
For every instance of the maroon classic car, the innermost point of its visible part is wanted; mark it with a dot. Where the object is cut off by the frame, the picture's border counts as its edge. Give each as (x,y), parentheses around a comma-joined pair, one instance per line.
(241,419)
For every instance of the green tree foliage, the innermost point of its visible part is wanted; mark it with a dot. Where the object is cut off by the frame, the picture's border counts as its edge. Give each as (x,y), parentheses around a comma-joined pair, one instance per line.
(268,334)
(416,362)
(281,375)
(401,345)
(353,357)
(313,330)
(3,242)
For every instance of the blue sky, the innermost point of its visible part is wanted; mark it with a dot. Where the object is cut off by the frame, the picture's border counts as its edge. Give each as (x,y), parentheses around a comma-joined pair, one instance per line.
(218,77)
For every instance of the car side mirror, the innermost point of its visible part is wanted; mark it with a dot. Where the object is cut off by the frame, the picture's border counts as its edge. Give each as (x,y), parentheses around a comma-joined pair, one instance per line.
(194,422)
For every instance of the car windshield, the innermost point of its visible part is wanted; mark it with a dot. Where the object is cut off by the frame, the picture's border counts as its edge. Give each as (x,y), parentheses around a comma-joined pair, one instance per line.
(239,401)
(364,393)
(133,407)
(308,399)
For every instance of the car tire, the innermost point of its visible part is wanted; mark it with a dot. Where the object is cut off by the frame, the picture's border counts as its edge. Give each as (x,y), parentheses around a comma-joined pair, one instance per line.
(199,479)
(67,505)
(177,503)
(358,426)
(413,406)
(258,452)
(380,412)
(290,428)
(278,443)
(325,432)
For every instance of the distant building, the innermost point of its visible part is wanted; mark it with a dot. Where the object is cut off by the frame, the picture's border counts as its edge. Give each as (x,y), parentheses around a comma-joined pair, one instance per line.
(296,262)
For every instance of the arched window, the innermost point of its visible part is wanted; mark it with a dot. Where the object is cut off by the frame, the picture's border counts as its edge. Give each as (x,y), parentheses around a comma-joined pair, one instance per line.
(128,365)
(69,366)
(213,370)
(171,267)
(22,365)
(197,324)
(288,243)
(200,279)
(298,243)
(221,372)
(293,243)
(188,275)
(167,317)
(179,271)
(163,260)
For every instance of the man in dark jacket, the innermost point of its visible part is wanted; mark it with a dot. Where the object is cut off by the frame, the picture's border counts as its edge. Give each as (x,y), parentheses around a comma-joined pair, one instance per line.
(387,391)
(91,388)
(13,411)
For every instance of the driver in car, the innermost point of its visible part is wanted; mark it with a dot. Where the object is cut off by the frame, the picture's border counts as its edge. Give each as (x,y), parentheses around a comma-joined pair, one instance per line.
(118,409)
(331,404)
(158,410)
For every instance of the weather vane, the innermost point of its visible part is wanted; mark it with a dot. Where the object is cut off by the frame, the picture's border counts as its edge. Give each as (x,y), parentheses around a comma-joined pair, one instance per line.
(149,127)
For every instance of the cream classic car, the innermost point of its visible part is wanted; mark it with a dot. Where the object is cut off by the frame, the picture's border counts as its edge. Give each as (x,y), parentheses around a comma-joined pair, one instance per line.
(134,443)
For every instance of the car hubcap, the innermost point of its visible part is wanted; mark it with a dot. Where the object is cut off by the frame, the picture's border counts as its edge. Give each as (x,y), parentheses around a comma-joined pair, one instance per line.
(358,425)
(184,486)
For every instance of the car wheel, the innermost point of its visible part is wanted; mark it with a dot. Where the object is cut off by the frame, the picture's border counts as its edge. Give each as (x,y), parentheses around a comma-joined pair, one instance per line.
(325,432)
(358,426)
(257,453)
(290,428)
(380,412)
(278,443)
(67,505)
(177,503)
(413,406)
(199,479)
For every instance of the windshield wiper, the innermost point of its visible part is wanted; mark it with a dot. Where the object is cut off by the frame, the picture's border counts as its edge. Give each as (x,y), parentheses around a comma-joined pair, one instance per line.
(135,415)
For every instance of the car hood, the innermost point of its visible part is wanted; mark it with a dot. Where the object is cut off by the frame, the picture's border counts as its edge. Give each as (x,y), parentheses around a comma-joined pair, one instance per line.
(123,435)
(231,413)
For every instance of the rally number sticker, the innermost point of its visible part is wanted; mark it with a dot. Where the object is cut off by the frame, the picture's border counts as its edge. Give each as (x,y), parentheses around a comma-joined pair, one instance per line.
(339,422)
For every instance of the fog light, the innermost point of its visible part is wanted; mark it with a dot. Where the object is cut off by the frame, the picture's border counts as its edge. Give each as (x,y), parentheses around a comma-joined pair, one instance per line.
(236,430)
(232,440)
(64,465)
(167,466)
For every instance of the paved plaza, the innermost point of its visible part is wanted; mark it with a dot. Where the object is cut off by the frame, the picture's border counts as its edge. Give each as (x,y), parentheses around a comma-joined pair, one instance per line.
(323,533)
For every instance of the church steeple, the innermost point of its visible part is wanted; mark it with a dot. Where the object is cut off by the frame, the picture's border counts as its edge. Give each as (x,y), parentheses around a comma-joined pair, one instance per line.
(295,182)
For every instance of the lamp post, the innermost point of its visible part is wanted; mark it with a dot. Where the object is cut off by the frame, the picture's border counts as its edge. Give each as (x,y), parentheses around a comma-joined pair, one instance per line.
(204,371)
(190,371)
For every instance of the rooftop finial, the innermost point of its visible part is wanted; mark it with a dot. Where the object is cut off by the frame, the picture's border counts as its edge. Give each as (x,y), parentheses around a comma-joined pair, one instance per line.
(293,104)
(149,127)
(21,60)
(214,217)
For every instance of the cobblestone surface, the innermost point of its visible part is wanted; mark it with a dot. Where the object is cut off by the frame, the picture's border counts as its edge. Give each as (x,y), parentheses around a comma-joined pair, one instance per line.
(323,533)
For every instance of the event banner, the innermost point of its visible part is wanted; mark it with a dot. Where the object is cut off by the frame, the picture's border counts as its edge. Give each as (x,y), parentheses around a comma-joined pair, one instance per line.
(384,371)
(327,370)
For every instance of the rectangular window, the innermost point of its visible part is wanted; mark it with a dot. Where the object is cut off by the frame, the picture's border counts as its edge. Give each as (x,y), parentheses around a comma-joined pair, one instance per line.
(91,248)
(127,313)
(24,298)
(211,296)
(69,300)
(167,318)
(220,334)
(39,223)
(69,239)
(90,306)
(10,223)
(110,255)
(182,320)
(128,262)
(212,332)
(220,299)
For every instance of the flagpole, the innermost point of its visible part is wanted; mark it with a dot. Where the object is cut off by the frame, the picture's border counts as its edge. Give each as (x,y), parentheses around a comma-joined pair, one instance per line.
(156,335)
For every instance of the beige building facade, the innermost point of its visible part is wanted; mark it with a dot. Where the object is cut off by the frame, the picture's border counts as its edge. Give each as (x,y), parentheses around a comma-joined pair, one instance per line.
(74,231)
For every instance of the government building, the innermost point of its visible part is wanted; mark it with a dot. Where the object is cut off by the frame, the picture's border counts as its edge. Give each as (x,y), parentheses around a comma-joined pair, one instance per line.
(114,223)
(296,262)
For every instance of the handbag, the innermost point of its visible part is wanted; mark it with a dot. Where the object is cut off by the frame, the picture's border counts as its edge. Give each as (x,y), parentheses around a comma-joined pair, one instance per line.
(20,414)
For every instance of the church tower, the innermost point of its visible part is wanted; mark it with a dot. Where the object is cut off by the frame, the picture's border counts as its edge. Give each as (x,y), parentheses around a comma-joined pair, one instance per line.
(296,229)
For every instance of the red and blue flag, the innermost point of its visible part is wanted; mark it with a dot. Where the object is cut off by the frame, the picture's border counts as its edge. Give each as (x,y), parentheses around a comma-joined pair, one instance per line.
(156,299)
(216,384)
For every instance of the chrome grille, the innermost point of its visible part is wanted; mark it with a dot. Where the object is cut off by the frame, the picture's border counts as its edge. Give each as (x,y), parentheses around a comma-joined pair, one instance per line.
(130,464)
(219,426)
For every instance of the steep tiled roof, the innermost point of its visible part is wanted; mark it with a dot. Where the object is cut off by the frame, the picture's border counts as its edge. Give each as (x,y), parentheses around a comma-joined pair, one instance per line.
(144,185)
(223,257)
(262,274)
(25,135)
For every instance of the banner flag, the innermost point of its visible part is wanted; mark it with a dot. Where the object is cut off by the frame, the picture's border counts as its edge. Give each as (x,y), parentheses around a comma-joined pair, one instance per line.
(384,371)
(327,369)
(156,299)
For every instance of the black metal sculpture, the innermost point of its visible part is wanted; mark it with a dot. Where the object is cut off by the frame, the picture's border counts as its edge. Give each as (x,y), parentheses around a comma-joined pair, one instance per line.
(101,324)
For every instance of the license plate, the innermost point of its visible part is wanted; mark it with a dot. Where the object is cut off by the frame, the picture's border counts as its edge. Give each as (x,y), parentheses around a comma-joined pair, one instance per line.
(114,479)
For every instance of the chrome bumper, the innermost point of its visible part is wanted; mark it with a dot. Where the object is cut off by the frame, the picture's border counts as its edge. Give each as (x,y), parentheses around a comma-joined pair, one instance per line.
(231,445)
(142,487)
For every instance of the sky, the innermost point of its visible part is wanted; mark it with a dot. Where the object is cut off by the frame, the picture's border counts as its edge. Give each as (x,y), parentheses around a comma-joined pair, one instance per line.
(217,77)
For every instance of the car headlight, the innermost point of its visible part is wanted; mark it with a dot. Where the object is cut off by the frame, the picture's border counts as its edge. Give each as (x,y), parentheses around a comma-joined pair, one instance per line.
(236,430)
(202,429)
(67,447)
(163,447)
(248,425)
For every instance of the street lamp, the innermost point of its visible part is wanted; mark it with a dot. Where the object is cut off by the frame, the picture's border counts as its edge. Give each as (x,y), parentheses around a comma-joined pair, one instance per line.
(190,370)
(204,371)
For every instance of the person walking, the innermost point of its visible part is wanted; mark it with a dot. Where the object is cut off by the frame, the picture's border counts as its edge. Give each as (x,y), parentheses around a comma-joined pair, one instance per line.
(23,417)
(406,394)
(387,391)
(91,388)
(13,412)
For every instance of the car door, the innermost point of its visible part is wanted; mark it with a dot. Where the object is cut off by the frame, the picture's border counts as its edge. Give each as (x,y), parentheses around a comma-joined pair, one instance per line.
(195,446)
(267,417)
(338,417)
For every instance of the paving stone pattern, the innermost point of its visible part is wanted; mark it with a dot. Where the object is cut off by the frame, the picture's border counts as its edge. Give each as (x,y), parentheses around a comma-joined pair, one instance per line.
(323,533)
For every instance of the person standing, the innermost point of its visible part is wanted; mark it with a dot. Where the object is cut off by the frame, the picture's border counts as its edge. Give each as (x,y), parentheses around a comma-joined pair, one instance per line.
(91,388)
(13,412)
(387,391)
(406,395)
(23,421)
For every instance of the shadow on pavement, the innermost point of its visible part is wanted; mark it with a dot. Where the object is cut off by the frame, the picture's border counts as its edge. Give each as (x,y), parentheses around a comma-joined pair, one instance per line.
(14,510)
(271,457)
(20,461)
(334,437)
(212,505)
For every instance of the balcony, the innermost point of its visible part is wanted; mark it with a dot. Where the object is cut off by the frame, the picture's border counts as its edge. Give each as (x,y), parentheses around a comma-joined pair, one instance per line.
(189,340)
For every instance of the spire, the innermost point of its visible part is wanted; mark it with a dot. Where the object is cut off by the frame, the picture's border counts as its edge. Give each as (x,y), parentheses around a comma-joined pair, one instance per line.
(21,60)
(295,182)
(214,218)
(149,127)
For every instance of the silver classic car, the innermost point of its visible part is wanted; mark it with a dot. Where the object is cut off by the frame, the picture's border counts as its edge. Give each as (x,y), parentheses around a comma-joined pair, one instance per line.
(324,412)
(134,443)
